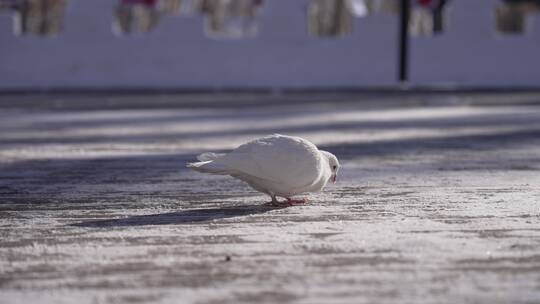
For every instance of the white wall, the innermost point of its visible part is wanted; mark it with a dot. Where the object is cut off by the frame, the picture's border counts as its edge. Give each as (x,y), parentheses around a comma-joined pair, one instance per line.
(472,53)
(178,55)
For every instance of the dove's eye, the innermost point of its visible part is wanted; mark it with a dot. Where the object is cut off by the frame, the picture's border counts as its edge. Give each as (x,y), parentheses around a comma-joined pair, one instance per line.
(334,167)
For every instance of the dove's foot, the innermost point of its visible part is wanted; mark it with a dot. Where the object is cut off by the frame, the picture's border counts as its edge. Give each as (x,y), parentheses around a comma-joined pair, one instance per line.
(293,202)
(278,204)
(288,203)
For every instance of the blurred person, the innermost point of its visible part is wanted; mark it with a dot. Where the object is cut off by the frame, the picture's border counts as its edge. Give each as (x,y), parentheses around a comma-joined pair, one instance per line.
(231,18)
(336,17)
(9,4)
(511,15)
(358,8)
(136,16)
(331,17)
(39,17)
(427,17)
(170,6)
(381,6)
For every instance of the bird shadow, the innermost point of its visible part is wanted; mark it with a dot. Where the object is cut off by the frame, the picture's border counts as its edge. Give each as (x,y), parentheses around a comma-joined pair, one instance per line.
(181,217)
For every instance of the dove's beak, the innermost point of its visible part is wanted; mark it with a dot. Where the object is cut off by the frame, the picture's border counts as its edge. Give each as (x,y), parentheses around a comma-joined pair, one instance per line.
(334,178)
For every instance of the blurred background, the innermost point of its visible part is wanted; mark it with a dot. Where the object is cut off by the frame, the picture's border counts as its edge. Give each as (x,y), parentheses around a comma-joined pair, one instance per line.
(258,44)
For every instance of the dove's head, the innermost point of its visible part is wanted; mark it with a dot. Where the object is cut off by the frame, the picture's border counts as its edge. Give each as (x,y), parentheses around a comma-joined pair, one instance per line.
(333,163)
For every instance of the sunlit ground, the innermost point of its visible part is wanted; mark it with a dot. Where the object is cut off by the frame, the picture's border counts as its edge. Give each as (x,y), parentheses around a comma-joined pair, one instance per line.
(438,201)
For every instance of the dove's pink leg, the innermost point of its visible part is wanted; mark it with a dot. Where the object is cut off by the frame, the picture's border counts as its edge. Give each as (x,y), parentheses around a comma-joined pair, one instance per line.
(297,201)
(278,204)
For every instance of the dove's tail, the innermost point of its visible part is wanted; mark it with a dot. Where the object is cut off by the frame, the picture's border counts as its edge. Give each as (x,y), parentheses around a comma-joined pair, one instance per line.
(208,167)
(208,164)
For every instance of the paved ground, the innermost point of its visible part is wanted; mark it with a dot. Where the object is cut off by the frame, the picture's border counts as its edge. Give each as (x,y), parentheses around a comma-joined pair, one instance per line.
(439,201)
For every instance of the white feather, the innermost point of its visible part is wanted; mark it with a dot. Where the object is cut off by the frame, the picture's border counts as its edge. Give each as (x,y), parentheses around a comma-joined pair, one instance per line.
(209,156)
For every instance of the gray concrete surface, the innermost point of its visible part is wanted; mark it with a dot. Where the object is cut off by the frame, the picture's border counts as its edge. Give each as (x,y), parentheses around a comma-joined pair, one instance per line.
(438,201)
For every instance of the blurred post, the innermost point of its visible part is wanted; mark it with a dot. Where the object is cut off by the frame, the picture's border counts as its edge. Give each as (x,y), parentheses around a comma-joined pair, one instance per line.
(404,12)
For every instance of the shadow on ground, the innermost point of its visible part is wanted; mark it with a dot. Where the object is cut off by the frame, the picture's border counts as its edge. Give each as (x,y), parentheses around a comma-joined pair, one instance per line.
(55,130)
(106,176)
(181,217)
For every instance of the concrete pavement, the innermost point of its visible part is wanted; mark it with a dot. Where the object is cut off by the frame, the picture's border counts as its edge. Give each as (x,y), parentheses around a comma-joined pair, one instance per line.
(438,202)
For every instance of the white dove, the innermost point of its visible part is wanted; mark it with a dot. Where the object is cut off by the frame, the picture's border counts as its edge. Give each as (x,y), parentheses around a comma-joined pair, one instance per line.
(278,165)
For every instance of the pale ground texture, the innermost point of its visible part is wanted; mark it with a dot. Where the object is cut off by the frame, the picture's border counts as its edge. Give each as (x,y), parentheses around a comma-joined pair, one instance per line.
(438,201)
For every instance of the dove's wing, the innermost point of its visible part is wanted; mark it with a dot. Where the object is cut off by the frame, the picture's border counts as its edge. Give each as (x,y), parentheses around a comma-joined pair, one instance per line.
(280,159)
(209,156)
